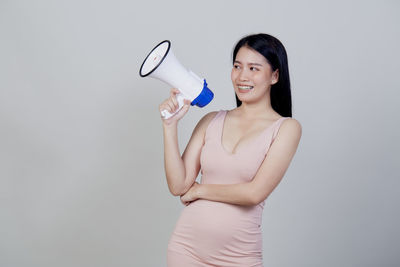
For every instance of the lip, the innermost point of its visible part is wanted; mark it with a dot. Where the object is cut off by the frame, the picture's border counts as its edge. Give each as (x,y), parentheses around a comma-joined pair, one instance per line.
(244,88)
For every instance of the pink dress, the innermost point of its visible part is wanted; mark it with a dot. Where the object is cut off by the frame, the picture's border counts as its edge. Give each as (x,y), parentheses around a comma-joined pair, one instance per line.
(210,233)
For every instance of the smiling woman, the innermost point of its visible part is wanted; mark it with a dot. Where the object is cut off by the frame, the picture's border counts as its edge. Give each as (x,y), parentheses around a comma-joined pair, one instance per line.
(270,52)
(252,75)
(242,154)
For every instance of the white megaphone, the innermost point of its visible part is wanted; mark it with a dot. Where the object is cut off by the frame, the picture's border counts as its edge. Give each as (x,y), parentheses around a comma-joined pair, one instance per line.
(163,65)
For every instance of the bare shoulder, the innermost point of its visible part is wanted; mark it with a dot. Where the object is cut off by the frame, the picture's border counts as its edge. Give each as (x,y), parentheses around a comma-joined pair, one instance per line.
(205,121)
(208,117)
(292,123)
(290,128)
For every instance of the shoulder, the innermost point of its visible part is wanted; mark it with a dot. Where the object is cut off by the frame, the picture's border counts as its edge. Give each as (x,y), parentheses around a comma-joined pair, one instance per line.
(291,123)
(290,128)
(209,116)
(205,121)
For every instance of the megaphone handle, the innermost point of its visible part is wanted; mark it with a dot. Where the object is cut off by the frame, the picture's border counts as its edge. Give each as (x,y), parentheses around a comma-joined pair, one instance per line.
(179,98)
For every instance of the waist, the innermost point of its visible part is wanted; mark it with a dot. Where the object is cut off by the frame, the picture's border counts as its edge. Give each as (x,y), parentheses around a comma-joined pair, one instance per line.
(211,229)
(212,217)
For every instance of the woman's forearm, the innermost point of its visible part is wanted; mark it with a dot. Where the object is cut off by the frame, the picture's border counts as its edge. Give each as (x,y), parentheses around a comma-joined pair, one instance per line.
(238,194)
(173,163)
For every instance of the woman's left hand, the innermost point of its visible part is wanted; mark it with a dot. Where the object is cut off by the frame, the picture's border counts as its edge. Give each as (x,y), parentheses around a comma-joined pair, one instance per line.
(191,195)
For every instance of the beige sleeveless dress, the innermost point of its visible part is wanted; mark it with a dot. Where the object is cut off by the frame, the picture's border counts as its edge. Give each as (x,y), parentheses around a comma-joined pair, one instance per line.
(210,233)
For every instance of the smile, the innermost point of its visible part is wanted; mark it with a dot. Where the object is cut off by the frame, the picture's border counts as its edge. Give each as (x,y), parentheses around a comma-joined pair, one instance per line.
(242,87)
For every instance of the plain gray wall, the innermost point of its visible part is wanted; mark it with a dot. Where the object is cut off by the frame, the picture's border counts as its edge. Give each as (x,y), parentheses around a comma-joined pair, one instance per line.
(81,161)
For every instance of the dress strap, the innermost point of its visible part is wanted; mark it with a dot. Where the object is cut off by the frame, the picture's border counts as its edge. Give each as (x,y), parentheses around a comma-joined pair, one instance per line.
(278,126)
(214,128)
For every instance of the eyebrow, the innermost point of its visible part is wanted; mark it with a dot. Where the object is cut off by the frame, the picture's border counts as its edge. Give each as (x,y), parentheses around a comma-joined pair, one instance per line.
(253,64)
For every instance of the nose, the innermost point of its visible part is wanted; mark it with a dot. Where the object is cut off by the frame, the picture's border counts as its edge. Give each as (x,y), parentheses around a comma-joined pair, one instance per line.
(243,75)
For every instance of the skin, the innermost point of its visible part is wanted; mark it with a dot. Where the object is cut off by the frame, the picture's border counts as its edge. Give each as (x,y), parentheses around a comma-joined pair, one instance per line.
(241,125)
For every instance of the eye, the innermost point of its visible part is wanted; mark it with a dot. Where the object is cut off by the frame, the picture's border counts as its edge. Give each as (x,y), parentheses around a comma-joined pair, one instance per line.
(254,69)
(236,66)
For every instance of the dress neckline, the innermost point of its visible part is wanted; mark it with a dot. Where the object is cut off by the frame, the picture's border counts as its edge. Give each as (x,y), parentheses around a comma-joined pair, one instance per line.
(249,142)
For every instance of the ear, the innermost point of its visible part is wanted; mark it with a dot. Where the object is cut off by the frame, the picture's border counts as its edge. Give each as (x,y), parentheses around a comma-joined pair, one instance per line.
(275,77)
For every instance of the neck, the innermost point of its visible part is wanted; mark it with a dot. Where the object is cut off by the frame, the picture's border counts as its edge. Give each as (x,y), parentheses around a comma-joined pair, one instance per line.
(260,108)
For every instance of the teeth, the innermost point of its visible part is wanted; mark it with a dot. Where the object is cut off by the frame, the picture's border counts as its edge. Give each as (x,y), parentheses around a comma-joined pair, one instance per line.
(245,87)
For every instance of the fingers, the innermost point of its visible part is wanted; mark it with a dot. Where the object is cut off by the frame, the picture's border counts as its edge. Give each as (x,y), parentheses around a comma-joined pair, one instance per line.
(184,109)
(184,202)
(173,100)
(173,103)
(174,91)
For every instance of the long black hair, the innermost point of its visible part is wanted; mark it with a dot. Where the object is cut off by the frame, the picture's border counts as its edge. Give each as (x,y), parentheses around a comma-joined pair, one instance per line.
(274,51)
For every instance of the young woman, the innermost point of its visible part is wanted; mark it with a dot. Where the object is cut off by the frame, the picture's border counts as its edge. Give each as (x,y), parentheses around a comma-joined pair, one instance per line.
(242,154)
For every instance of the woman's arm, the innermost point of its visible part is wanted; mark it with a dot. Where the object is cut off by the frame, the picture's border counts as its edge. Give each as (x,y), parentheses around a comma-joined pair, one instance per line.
(181,171)
(267,178)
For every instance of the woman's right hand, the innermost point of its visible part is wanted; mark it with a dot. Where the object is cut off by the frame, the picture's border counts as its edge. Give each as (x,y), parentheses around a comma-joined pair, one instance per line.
(171,105)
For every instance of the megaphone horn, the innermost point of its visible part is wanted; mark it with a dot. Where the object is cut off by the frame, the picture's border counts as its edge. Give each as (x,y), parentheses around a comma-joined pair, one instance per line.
(162,64)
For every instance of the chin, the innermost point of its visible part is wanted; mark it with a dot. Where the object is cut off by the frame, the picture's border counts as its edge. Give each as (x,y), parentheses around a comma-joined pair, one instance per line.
(246,99)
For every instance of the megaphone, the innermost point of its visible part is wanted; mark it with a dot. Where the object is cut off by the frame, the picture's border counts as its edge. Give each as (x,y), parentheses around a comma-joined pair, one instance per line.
(162,64)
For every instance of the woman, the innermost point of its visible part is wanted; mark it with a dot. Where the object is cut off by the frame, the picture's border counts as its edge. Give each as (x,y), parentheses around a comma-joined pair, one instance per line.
(242,154)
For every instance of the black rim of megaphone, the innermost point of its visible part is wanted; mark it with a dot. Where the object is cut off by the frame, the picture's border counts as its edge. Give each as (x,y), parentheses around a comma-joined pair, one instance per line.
(144,61)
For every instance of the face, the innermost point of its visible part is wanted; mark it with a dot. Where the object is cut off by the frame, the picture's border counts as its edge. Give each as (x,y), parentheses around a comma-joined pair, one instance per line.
(252,75)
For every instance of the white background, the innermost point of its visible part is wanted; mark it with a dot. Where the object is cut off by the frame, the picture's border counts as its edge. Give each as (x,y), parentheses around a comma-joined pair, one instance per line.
(81,161)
